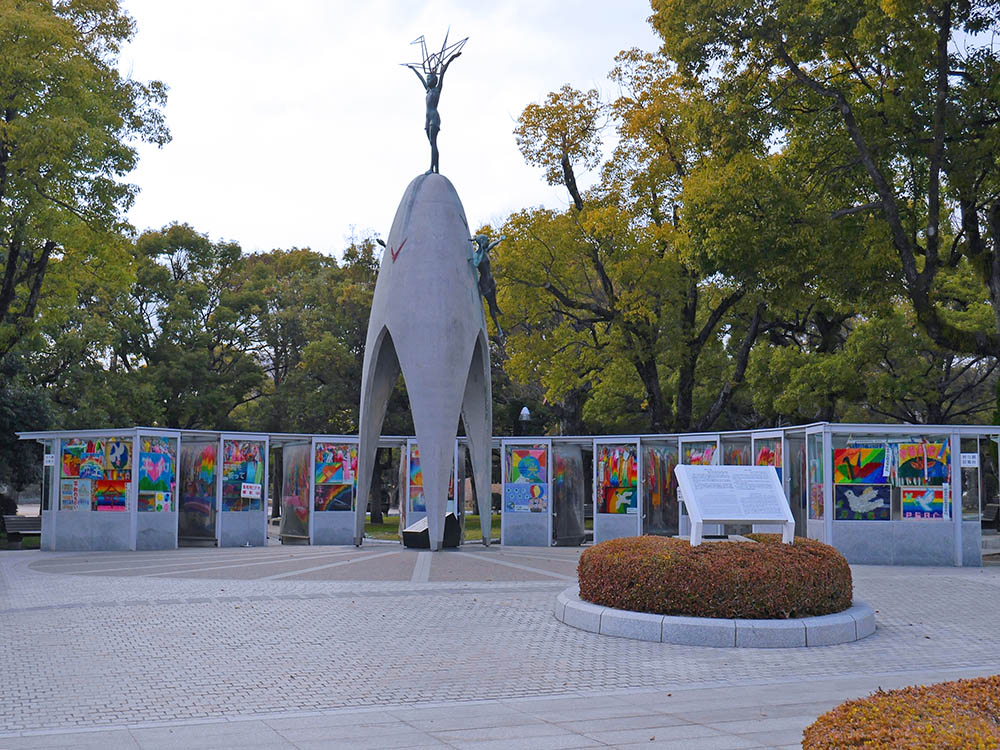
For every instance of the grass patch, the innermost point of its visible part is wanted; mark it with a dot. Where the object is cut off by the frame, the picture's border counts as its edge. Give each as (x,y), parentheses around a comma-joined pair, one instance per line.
(389,528)
(27,542)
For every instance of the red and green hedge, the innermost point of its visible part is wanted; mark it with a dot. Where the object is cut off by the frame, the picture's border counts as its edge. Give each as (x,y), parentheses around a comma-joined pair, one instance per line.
(946,716)
(766,580)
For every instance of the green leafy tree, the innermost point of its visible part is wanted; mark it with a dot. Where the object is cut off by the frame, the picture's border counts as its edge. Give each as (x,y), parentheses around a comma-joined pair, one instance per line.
(668,264)
(68,122)
(191,336)
(894,105)
(22,408)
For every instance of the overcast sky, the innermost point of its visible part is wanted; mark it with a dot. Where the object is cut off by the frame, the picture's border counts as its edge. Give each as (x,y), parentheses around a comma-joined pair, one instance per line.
(294,124)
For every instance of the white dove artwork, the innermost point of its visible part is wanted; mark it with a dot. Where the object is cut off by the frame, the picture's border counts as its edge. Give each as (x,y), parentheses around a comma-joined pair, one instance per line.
(925,500)
(866,502)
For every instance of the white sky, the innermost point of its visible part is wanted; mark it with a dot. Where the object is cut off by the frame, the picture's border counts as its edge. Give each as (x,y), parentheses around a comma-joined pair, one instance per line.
(294,125)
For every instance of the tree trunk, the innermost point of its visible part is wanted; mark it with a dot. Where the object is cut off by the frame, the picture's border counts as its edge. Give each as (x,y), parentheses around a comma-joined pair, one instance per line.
(277,463)
(570,411)
(377,490)
(649,373)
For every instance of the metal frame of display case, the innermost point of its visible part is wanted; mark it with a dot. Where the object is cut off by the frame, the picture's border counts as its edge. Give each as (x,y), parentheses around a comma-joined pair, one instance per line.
(896,541)
(338,525)
(199,439)
(527,529)
(900,541)
(307,442)
(652,441)
(97,531)
(249,539)
(174,515)
(604,527)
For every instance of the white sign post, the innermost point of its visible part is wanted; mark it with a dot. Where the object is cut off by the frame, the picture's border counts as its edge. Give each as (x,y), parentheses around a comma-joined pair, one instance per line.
(734,494)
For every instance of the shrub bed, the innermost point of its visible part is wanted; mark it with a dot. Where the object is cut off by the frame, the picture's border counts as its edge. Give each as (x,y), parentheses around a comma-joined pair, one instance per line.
(767,580)
(949,715)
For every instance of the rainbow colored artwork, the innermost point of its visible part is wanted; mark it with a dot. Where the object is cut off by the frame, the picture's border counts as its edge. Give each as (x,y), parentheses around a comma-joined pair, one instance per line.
(699,454)
(154,444)
(109,495)
(769,455)
(620,500)
(735,456)
(658,474)
(232,497)
(72,454)
(859,466)
(198,464)
(336,463)
(295,500)
(154,502)
(242,461)
(815,500)
(617,466)
(334,497)
(156,472)
(92,460)
(923,503)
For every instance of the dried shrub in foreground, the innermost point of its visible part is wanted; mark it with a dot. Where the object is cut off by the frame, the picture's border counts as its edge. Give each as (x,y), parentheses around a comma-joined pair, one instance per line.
(767,580)
(949,715)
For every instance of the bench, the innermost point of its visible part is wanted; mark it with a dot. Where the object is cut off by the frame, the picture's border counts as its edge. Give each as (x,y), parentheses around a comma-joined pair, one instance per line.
(20,526)
(991,516)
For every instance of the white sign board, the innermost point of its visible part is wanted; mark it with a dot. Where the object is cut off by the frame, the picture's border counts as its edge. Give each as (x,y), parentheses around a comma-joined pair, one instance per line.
(734,494)
(49,459)
(250,491)
(970,461)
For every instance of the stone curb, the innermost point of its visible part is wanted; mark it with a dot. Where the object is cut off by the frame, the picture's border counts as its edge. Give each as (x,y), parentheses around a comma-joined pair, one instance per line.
(852,624)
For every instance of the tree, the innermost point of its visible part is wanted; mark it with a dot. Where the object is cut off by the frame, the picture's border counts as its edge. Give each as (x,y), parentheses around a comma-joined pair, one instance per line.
(191,334)
(312,331)
(668,264)
(68,120)
(899,102)
(21,408)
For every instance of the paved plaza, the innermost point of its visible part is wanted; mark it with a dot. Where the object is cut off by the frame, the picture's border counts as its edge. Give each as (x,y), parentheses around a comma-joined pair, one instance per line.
(326,647)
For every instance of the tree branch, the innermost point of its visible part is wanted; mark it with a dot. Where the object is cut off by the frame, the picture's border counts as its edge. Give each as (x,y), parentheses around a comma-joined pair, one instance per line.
(856,209)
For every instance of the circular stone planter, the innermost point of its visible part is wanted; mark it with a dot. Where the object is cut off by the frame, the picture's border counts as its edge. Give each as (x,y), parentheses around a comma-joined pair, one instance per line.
(852,624)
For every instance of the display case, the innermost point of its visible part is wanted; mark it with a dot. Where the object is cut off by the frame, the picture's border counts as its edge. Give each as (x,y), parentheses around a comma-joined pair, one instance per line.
(243,490)
(617,489)
(198,512)
(660,511)
(526,507)
(335,485)
(93,493)
(296,492)
(569,483)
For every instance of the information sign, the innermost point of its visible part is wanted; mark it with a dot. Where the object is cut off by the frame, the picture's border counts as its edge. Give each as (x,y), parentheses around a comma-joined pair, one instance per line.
(250,491)
(49,459)
(970,460)
(733,494)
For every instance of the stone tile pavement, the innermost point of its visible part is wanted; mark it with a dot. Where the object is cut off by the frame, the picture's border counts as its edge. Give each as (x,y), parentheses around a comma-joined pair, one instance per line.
(328,647)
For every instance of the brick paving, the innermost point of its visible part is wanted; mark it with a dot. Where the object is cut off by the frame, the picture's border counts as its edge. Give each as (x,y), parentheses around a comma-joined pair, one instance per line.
(314,646)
